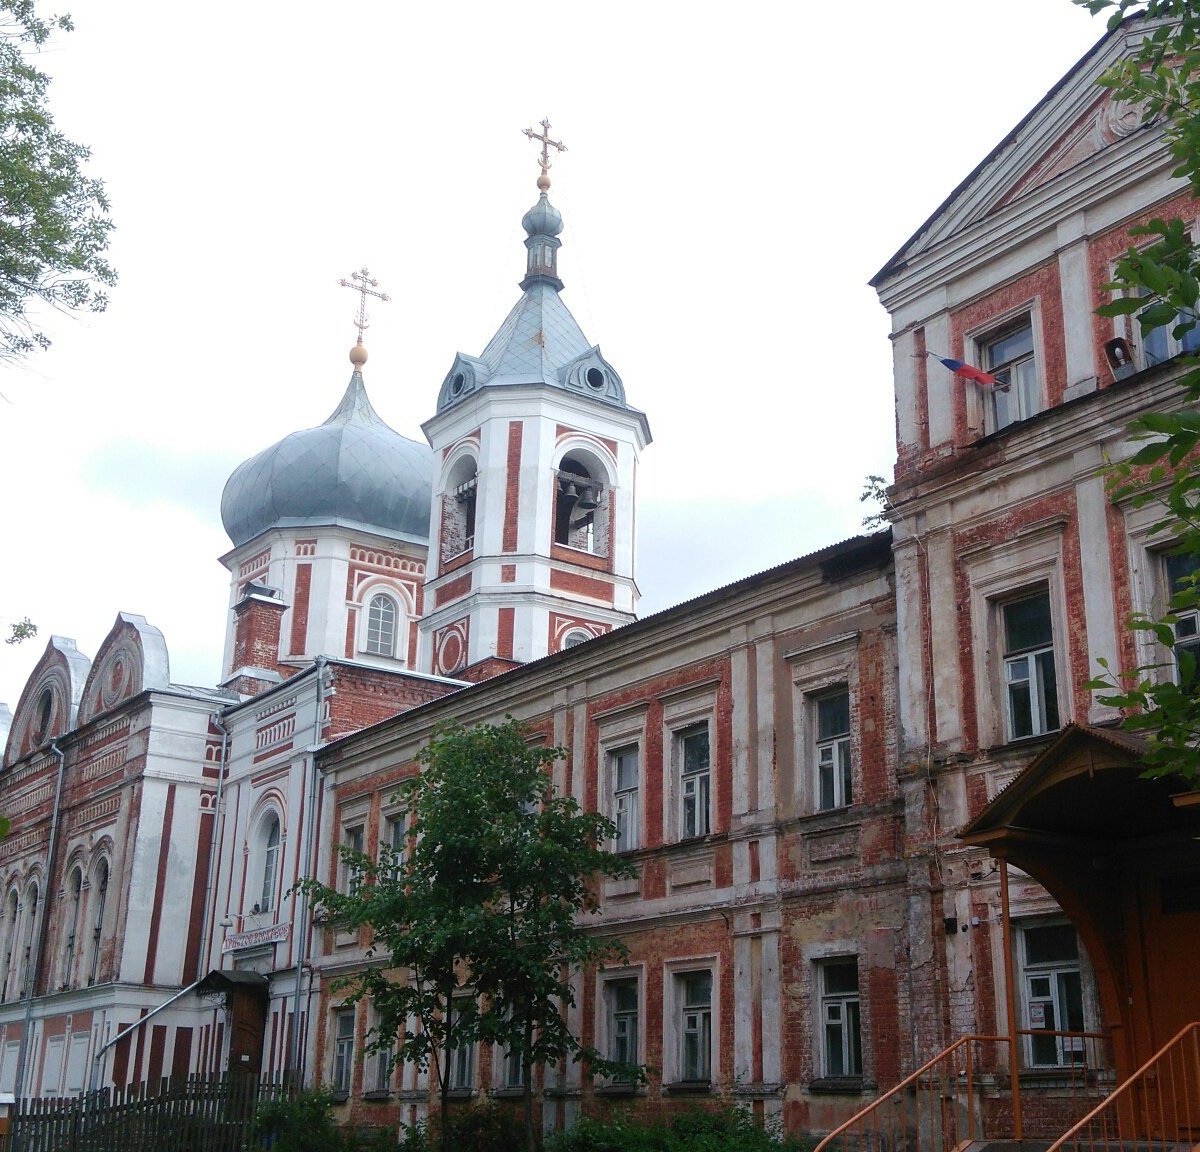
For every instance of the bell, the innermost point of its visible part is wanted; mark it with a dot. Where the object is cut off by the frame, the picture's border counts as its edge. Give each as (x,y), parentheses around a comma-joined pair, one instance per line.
(571,493)
(588,500)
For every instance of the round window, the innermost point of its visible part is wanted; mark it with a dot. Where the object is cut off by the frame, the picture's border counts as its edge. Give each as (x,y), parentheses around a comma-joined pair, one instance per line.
(595,378)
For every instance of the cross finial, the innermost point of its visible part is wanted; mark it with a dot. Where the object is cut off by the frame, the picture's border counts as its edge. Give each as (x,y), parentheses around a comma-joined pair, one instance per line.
(362,283)
(544,137)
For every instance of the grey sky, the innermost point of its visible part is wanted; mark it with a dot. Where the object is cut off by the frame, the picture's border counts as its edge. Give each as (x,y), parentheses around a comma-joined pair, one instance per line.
(733,178)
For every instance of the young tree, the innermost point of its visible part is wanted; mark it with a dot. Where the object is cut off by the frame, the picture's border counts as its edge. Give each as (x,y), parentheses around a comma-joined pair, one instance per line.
(476,928)
(54,222)
(1159,282)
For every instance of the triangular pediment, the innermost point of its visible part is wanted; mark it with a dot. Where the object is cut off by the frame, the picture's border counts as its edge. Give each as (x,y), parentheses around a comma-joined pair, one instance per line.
(1075,125)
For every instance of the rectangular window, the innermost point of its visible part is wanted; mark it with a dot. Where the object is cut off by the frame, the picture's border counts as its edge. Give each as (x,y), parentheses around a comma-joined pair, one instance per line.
(623,777)
(462,1065)
(1009,356)
(1161,343)
(1031,685)
(343,1051)
(695,781)
(841,1036)
(1053,994)
(1178,571)
(383,1071)
(352,838)
(395,841)
(621,1005)
(833,750)
(694,992)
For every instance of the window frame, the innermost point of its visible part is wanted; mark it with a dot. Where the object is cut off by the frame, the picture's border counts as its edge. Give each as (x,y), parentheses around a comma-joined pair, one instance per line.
(268,858)
(607,1015)
(981,401)
(676,1028)
(1002,573)
(624,804)
(695,786)
(838,744)
(75,903)
(374,636)
(354,836)
(1051,971)
(99,886)
(1044,702)
(848,1024)
(341,1080)
(463,1069)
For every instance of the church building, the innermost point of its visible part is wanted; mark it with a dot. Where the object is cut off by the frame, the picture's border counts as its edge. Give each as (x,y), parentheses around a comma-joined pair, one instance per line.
(871,804)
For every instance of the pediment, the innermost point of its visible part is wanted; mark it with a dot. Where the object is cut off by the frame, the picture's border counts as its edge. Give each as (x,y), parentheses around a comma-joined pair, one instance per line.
(132,658)
(1060,139)
(49,704)
(592,375)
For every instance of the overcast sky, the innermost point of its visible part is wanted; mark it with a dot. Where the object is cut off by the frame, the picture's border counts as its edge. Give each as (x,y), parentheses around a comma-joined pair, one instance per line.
(734,175)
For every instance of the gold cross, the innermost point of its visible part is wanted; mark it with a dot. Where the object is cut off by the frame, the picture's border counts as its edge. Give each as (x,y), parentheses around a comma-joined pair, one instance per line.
(547,144)
(366,286)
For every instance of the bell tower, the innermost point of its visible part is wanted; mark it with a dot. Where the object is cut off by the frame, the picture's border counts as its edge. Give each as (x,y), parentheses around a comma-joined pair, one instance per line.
(536,453)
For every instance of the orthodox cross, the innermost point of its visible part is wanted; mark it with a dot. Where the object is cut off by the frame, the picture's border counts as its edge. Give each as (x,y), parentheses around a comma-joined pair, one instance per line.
(362,283)
(547,144)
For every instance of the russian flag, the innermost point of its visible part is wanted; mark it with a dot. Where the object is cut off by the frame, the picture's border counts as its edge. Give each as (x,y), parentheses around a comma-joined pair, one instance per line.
(970,372)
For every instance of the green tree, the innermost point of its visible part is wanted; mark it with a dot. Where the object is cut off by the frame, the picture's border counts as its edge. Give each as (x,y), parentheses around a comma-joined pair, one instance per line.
(476,929)
(20,631)
(54,221)
(1158,282)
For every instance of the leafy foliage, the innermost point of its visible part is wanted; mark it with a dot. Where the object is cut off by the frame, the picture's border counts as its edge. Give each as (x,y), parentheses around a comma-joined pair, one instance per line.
(54,221)
(1158,282)
(20,631)
(477,923)
(875,492)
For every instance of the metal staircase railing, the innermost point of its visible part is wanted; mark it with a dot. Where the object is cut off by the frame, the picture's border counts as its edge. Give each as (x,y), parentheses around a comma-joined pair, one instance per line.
(1158,1107)
(967,1093)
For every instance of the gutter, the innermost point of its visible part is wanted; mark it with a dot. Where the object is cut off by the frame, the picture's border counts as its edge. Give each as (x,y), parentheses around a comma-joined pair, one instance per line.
(210,887)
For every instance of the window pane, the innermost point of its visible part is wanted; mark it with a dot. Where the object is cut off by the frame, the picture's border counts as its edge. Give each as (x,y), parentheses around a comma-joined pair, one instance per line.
(626,761)
(833,715)
(1020,710)
(1027,624)
(1047,690)
(697,989)
(1179,568)
(1050,944)
(841,977)
(695,750)
(1012,345)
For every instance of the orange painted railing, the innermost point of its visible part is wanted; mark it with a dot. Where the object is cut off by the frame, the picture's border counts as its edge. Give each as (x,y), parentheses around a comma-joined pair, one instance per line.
(967,1093)
(1159,1105)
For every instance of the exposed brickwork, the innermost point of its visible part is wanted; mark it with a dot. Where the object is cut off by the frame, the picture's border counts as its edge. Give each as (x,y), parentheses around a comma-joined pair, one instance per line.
(512,485)
(299,636)
(257,623)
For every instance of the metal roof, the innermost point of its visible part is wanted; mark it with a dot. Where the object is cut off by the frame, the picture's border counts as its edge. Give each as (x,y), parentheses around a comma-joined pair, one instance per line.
(352,470)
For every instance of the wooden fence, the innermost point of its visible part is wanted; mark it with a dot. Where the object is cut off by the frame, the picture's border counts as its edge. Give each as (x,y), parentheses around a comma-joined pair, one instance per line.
(192,1114)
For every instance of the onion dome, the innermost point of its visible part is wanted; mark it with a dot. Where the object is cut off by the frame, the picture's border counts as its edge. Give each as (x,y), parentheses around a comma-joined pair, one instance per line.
(352,471)
(543,219)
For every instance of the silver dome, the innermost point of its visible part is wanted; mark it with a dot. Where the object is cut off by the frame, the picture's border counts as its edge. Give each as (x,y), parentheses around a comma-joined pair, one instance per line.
(353,470)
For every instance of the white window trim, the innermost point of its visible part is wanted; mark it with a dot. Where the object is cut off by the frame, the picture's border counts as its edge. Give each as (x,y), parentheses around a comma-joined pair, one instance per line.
(400,596)
(830,952)
(679,714)
(1087,980)
(602,1031)
(820,966)
(340,1012)
(816,671)
(672,1055)
(1001,574)
(980,413)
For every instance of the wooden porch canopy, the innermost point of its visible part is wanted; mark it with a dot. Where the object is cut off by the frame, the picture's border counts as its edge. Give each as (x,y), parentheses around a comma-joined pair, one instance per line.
(1119,853)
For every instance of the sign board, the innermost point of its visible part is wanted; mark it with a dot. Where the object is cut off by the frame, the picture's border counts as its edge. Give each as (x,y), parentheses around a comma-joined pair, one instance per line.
(235,941)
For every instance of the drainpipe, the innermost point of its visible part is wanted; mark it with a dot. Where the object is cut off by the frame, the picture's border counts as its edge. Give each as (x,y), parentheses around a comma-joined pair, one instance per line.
(1014,1052)
(99,1057)
(210,888)
(35,961)
(307,871)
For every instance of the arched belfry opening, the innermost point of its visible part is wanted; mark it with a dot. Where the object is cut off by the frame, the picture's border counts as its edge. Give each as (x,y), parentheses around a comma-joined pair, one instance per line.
(458,508)
(581,509)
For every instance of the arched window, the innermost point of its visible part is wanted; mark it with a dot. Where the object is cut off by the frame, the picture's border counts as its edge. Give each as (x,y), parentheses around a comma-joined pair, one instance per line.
(11,906)
(381,625)
(32,894)
(574,639)
(71,925)
(100,888)
(270,861)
